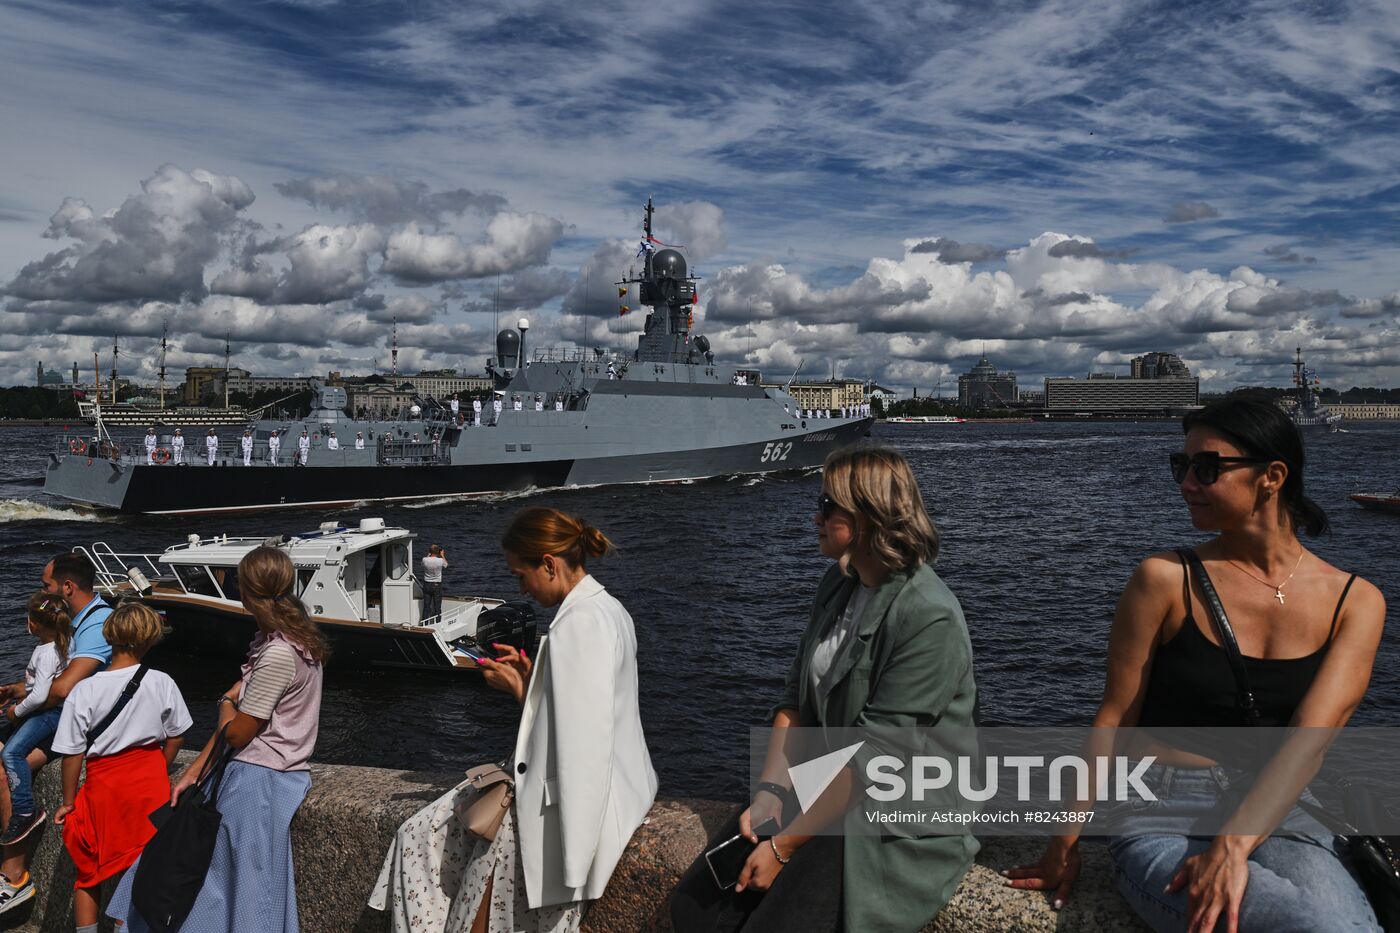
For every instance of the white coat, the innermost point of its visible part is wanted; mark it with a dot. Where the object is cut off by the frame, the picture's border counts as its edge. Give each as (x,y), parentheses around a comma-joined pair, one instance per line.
(584,780)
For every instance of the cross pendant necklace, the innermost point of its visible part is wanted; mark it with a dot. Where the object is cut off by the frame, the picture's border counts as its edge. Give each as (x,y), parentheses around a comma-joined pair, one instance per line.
(1277,587)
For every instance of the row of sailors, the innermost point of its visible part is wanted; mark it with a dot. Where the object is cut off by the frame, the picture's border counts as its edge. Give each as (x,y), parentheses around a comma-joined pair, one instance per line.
(850,411)
(517,403)
(176,454)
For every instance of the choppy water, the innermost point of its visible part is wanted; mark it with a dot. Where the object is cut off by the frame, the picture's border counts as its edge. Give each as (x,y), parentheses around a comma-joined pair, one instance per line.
(1041,526)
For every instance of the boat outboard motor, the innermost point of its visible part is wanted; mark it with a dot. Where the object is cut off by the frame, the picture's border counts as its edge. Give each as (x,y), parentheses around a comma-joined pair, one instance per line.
(512,624)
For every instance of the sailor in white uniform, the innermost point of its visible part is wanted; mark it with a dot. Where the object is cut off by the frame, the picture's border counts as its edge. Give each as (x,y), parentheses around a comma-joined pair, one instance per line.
(558,403)
(455,405)
(211,446)
(274,445)
(303,448)
(332,442)
(151,442)
(476,412)
(177,445)
(496,410)
(516,402)
(612,372)
(246,442)
(359,440)
(539,402)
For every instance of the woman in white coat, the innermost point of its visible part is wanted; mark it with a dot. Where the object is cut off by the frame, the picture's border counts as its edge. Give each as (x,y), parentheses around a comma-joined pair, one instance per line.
(583,775)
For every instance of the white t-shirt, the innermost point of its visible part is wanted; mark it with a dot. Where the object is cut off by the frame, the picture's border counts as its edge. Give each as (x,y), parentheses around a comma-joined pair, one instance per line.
(44,666)
(432,569)
(157,712)
(836,641)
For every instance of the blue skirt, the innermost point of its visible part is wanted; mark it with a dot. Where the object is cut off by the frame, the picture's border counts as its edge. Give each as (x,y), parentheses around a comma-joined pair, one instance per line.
(250,884)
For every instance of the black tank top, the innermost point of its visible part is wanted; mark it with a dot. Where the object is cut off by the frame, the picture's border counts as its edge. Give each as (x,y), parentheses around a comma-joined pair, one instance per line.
(1191,683)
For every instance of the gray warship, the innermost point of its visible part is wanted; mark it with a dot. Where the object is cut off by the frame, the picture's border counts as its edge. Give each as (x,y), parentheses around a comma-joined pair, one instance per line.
(1308,411)
(668,412)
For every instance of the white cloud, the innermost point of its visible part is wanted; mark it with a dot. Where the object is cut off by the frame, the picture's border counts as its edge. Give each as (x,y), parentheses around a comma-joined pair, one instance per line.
(513,241)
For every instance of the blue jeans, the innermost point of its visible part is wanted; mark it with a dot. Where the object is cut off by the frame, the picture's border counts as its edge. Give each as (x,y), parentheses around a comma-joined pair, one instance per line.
(1300,882)
(33,731)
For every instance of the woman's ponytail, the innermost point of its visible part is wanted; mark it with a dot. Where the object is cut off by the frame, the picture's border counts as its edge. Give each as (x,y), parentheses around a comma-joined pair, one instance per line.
(592,542)
(537,531)
(1308,517)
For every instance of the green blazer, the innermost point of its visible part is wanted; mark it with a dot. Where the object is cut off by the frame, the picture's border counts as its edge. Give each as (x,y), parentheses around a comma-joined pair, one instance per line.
(910,665)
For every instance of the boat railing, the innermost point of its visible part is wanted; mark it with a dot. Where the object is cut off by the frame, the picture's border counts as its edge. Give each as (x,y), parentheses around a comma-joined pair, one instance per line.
(110,567)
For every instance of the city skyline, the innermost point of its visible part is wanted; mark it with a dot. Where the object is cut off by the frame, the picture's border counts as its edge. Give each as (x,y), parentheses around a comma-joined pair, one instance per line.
(881,190)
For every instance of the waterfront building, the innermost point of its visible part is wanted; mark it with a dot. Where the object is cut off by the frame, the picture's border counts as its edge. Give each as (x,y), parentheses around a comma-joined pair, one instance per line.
(825,395)
(1159,366)
(1032,398)
(379,400)
(1107,392)
(446,383)
(985,387)
(199,382)
(1367,411)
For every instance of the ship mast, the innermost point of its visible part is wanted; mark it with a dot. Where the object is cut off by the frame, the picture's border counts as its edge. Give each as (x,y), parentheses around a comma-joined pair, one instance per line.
(227,351)
(114,369)
(163,332)
(394,351)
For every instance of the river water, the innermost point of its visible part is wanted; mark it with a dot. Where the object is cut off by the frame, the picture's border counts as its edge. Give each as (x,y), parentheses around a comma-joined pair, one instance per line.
(1041,526)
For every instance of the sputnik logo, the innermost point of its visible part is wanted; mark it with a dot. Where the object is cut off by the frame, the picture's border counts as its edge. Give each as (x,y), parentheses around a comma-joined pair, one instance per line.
(811,778)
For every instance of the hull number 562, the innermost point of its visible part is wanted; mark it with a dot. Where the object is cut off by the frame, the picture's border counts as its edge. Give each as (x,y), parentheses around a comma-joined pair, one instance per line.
(775,452)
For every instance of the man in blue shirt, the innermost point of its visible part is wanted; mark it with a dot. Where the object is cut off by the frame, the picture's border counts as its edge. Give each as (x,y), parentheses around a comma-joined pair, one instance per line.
(69,577)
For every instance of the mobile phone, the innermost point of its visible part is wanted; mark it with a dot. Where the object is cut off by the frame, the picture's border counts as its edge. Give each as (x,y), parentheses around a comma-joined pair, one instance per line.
(727,859)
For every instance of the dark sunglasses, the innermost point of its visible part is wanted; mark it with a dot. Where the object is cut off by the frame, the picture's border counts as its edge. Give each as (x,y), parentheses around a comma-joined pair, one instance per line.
(1205,464)
(825,506)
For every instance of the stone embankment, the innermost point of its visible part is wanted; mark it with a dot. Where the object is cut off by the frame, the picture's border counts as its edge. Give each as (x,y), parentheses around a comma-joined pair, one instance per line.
(342,831)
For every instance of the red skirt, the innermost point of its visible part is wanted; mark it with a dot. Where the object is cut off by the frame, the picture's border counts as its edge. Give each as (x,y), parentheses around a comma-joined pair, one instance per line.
(110,824)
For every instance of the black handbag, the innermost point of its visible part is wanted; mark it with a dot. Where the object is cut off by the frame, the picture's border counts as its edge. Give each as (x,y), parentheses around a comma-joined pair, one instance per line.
(176,859)
(1374,857)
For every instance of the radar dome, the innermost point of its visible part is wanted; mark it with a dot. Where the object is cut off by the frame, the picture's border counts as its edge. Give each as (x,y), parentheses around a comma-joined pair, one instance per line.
(668,262)
(508,348)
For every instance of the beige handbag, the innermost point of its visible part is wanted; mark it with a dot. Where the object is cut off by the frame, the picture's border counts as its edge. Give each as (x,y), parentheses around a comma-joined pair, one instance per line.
(483,800)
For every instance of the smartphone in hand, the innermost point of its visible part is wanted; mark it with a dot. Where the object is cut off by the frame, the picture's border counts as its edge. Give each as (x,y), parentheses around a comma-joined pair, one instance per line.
(727,859)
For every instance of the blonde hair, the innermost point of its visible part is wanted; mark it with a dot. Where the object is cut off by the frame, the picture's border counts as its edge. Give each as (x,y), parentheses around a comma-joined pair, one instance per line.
(265,581)
(877,484)
(50,614)
(538,531)
(133,627)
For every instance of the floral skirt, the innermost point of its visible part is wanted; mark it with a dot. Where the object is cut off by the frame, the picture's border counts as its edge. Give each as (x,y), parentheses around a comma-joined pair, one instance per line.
(435,875)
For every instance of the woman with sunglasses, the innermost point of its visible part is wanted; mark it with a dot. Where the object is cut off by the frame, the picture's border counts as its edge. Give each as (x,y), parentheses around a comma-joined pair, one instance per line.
(1307,633)
(885,647)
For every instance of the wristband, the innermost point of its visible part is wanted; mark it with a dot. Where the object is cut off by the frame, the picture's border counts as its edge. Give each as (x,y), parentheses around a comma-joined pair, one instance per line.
(784,794)
(776,854)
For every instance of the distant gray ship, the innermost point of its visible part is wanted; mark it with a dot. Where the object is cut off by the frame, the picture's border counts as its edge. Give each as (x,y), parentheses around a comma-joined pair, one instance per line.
(666,413)
(1308,411)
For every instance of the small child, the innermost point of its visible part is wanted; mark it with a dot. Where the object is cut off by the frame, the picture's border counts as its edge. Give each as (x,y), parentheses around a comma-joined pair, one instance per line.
(34,725)
(105,824)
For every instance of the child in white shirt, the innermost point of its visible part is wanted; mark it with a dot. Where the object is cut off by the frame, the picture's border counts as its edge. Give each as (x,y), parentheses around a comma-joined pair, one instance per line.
(32,721)
(105,824)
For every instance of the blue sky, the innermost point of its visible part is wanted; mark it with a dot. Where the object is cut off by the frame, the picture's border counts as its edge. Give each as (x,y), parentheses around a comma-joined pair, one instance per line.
(882,189)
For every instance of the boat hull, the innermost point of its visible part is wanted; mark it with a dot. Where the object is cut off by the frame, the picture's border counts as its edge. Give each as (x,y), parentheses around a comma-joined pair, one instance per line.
(200,629)
(136,487)
(1377,502)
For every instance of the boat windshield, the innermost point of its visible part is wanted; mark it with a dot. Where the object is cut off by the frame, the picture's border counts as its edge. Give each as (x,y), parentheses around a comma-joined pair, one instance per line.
(195,578)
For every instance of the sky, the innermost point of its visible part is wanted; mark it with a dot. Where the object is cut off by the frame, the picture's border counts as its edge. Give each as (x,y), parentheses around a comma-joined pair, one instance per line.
(875,190)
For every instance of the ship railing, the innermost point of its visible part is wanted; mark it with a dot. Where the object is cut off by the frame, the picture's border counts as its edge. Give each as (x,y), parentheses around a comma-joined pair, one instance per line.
(111,568)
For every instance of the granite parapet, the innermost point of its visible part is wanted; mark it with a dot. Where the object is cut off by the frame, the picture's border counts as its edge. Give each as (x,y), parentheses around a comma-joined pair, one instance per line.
(343,829)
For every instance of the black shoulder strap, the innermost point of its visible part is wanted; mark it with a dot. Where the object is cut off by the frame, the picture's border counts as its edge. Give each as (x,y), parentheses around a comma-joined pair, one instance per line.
(128,692)
(1216,609)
